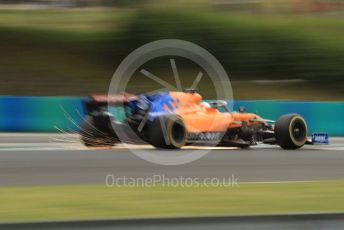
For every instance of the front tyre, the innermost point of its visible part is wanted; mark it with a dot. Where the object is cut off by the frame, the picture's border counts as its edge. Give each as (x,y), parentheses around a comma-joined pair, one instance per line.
(291,131)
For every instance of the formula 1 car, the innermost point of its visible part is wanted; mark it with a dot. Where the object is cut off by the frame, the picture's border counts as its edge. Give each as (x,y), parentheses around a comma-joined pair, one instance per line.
(172,120)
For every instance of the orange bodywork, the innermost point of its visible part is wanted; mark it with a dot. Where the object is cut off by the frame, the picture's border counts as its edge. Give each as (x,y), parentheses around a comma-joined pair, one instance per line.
(199,118)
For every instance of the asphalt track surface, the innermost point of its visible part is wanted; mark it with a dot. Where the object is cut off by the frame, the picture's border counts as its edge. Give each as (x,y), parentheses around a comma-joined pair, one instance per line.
(51,159)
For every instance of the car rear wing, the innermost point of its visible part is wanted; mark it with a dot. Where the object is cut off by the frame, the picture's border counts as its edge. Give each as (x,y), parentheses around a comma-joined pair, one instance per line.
(98,101)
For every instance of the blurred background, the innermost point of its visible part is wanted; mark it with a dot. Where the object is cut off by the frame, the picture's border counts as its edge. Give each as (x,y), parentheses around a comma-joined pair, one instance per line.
(272,49)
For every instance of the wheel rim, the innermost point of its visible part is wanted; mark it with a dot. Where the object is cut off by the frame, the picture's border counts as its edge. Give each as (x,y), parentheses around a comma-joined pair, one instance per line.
(298,131)
(178,133)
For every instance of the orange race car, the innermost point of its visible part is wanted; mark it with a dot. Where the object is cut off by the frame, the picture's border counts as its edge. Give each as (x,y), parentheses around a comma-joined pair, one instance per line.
(174,119)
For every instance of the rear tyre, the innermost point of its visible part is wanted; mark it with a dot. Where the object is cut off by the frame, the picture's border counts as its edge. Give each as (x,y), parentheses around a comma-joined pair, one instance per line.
(291,131)
(94,136)
(167,132)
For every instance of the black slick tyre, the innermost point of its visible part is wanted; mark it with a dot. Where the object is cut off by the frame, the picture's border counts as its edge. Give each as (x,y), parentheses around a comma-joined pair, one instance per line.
(167,132)
(291,131)
(93,136)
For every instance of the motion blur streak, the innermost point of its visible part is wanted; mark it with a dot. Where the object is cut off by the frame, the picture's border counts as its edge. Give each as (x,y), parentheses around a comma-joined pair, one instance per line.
(73,47)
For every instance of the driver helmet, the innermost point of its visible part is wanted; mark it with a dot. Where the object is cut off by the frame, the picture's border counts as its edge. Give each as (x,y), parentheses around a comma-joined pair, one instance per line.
(204,104)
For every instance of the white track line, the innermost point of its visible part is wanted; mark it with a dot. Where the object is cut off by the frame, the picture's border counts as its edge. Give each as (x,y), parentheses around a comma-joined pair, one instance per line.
(46,146)
(278,182)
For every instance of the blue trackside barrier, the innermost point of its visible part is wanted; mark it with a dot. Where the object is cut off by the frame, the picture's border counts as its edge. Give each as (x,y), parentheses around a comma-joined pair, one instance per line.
(40,114)
(53,114)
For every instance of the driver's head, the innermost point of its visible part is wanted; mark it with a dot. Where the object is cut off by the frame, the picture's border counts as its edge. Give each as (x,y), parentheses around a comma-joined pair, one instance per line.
(204,104)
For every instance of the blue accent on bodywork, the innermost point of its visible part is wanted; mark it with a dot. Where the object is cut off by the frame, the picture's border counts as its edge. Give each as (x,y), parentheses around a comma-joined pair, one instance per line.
(156,102)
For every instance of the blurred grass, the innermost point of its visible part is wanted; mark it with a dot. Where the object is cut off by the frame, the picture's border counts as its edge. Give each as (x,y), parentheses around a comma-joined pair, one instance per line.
(252,46)
(40,203)
(69,20)
(54,52)
(75,52)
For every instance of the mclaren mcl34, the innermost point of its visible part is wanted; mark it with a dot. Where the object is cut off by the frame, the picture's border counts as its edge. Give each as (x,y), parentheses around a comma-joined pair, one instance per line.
(171,120)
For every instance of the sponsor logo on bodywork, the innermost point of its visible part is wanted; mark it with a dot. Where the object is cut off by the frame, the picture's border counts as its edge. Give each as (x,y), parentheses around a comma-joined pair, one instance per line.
(205,136)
